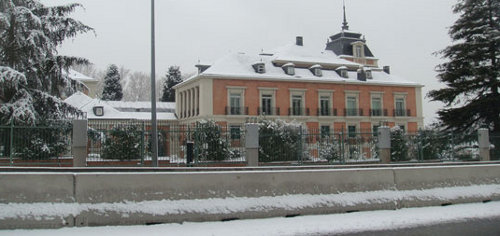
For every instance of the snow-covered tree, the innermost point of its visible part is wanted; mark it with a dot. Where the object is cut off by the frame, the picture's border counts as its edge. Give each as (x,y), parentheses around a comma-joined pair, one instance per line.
(172,78)
(472,70)
(211,143)
(112,88)
(31,78)
(137,87)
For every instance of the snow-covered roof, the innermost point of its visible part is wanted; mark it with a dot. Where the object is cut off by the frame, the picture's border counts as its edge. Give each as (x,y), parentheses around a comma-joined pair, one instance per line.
(239,65)
(143,106)
(75,75)
(87,104)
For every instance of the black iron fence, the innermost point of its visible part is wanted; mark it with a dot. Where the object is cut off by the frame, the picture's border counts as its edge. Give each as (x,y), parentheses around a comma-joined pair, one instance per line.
(45,144)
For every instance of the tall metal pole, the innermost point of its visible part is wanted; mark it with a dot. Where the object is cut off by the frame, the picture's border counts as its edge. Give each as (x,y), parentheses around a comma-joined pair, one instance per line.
(154,128)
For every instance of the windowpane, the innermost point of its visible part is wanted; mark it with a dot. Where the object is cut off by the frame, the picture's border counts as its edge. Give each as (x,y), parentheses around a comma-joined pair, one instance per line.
(352,106)
(297,105)
(266,104)
(325,131)
(235,132)
(325,105)
(351,130)
(235,103)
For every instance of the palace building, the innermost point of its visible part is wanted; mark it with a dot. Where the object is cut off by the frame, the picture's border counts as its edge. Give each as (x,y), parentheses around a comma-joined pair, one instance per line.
(339,89)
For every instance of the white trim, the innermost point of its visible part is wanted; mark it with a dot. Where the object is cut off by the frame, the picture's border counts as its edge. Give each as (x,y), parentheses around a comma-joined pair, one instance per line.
(293,90)
(236,87)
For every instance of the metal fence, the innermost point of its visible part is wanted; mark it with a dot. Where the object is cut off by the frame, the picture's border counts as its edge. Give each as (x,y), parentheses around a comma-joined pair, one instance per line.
(495,146)
(128,143)
(433,146)
(312,146)
(45,144)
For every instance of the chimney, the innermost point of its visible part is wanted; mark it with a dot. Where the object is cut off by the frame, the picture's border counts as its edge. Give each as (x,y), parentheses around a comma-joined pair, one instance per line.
(361,75)
(387,69)
(299,41)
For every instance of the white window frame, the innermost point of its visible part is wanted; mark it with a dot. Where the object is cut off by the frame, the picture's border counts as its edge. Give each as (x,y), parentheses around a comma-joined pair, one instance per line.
(352,94)
(403,97)
(268,91)
(329,94)
(377,95)
(236,90)
(298,92)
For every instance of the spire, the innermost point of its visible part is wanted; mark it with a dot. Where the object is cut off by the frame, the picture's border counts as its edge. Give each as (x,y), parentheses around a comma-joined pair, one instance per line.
(344,24)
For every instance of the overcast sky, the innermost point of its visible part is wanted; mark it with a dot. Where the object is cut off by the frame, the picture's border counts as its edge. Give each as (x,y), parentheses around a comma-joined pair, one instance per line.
(401,33)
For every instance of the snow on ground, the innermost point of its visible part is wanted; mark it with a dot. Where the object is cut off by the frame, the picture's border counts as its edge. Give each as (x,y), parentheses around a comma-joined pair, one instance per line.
(302,225)
(244,204)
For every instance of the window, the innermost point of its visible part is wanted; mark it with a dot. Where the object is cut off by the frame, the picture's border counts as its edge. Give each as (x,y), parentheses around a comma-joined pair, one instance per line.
(369,74)
(290,70)
(296,105)
(235,103)
(351,131)
(352,106)
(376,106)
(325,131)
(324,102)
(358,51)
(266,103)
(375,130)
(400,107)
(343,74)
(235,132)
(317,72)
(259,67)
(99,111)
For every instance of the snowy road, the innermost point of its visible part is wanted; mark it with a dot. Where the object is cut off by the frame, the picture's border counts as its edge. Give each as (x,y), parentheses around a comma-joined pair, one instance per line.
(467,216)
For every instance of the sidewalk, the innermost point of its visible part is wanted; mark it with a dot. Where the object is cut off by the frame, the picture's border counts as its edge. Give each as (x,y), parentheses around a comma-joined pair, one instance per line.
(463,219)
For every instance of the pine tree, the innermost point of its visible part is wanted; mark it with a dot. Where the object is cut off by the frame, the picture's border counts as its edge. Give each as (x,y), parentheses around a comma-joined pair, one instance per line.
(31,78)
(472,71)
(172,78)
(112,88)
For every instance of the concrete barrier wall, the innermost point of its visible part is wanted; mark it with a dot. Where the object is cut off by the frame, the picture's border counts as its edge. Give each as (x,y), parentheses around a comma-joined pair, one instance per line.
(407,178)
(370,189)
(33,187)
(102,187)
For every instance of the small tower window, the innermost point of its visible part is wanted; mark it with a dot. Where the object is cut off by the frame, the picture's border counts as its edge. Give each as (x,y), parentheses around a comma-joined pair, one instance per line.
(289,68)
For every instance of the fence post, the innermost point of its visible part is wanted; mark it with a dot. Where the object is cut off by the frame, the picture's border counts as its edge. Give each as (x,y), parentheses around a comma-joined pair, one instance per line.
(384,144)
(484,144)
(79,146)
(11,143)
(252,144)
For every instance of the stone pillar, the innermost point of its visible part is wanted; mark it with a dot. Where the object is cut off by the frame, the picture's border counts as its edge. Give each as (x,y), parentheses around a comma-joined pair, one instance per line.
(484,144)
(79,145)
(384,144)
(252,144)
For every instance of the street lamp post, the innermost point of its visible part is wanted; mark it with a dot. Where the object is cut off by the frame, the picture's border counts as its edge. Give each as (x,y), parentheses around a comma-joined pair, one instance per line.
(154,128)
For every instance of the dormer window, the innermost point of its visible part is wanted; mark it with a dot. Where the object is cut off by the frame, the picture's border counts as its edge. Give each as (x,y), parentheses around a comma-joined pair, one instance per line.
(99,111)
(368,74)
(342,71)
(259,67)
(358,49)
(289,68)
(316,70)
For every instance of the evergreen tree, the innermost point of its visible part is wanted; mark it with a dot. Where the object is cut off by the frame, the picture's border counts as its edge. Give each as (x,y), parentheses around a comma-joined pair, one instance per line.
(472,71)
(112,88)
(172,78)
(31,78)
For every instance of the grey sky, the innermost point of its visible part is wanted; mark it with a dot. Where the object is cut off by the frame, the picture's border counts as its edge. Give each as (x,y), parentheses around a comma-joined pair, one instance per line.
(401,33)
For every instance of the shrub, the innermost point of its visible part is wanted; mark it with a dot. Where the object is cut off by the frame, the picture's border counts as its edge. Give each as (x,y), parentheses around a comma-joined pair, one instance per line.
(279,141)
(210,143)
(123,142)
